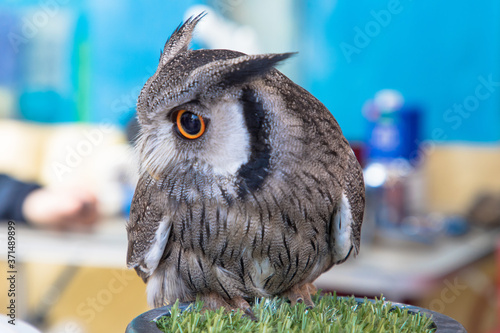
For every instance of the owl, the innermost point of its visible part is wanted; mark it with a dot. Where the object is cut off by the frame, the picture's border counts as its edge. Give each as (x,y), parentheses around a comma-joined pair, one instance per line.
(247,186)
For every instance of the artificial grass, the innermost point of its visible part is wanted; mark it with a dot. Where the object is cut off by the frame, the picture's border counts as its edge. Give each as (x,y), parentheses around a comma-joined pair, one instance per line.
(331,314)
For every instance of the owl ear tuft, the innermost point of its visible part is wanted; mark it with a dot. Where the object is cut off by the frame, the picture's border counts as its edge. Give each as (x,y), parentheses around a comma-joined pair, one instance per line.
(238,70)
(254,65)
(180,39)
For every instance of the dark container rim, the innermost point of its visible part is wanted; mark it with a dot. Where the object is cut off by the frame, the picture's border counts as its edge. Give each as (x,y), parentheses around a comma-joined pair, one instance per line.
(146,322)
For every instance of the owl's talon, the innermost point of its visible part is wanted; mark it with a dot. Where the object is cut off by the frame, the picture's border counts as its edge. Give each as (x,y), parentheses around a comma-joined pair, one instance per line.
(241,304)
(301,295)
(250,315)
(213,301)
(309,303)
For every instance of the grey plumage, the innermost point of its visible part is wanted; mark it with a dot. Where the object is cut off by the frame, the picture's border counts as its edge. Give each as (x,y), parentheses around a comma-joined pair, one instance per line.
(265,200)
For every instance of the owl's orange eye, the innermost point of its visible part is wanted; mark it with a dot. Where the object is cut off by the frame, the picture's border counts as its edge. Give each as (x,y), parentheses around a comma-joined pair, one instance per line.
(190,125)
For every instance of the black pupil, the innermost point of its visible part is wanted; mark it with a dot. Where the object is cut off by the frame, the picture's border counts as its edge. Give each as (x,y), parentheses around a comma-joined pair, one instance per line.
(190,123)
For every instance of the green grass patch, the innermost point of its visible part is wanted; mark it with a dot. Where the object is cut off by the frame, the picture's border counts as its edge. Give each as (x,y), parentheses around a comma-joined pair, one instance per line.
(331,314)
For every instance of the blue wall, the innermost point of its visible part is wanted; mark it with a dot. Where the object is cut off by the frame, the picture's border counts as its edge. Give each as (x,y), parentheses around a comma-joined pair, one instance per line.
(436,53)
(431,51)
(96,55)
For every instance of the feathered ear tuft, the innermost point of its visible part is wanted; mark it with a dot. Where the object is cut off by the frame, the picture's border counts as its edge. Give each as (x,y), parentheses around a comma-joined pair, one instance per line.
(237,70)
(180,39)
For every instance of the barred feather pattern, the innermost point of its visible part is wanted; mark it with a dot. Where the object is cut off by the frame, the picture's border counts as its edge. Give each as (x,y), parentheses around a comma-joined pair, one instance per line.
(291,210)
(273,238)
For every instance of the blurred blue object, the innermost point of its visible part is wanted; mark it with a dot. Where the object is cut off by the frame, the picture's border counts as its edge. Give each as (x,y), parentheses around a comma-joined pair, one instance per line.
(393,127)
(44,106)
(9,69)
(40,36)
(8,64)
(456,226)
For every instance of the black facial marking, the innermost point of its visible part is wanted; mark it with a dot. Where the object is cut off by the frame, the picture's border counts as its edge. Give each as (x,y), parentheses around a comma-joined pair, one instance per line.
(253,173)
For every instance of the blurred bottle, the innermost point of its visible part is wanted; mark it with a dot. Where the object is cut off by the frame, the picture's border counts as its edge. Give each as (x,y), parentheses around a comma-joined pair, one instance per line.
(393,129)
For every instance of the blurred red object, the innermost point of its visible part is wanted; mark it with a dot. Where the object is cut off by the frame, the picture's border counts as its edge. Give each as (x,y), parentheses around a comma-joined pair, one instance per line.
(358,147)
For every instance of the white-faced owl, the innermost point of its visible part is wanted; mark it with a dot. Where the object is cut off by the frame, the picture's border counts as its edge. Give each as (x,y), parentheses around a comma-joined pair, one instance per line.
(248,187)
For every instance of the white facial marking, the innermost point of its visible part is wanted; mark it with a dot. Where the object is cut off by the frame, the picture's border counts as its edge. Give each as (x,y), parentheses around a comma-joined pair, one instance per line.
(229,145)
(226,144)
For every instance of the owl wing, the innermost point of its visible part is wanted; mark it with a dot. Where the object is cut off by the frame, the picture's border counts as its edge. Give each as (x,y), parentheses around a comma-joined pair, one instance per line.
(347,219)
(148,228)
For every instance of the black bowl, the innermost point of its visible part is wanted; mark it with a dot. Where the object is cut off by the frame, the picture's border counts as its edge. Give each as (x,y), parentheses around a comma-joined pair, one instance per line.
(146,322)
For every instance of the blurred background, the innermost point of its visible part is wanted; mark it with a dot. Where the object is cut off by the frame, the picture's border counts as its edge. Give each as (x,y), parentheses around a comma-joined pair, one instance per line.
(414,85)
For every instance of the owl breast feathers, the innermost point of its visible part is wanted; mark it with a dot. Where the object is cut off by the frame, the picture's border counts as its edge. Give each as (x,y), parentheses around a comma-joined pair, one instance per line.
(247,188)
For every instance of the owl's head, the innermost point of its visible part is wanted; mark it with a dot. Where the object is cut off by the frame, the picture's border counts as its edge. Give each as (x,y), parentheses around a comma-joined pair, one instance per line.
(207,109)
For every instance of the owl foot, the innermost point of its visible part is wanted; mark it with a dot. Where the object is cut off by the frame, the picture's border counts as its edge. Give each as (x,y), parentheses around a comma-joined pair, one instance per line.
(240,303)
(301,294)
(311,288)
(214,301)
